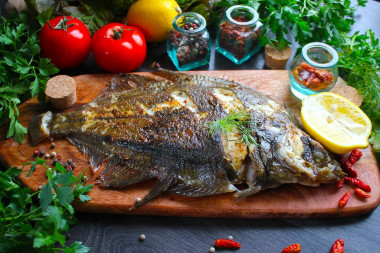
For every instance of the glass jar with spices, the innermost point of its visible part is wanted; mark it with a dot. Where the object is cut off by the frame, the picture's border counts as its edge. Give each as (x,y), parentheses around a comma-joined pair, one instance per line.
(238,34)
(188,45)
(314,70)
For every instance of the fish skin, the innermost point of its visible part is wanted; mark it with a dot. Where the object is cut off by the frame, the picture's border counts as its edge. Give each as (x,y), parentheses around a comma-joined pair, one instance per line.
(148,128)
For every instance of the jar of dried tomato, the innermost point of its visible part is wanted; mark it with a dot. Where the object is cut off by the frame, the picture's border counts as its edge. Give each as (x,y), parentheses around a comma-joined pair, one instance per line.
(188,44)
(238,34)
(314,70)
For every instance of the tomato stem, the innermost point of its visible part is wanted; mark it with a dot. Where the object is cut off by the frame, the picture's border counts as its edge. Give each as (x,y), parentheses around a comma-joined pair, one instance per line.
(62,24)
(117,34)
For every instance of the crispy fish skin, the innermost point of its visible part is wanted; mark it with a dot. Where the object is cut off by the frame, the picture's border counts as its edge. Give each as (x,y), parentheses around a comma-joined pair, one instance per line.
(147,128)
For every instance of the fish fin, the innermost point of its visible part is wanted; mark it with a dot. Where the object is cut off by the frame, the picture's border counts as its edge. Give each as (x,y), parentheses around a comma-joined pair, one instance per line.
(124,82)
(91,147)
(117,174)
(162,185)
(247,192)
(169,74)
(38,130)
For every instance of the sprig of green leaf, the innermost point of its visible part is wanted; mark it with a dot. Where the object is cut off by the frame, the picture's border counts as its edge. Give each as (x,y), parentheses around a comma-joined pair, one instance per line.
(359,65)
(238,122)
(23,73)
(40,227)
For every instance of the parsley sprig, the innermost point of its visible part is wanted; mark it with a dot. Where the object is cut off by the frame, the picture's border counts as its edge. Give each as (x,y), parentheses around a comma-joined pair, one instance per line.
(25,224)
(238,122)
(23,73)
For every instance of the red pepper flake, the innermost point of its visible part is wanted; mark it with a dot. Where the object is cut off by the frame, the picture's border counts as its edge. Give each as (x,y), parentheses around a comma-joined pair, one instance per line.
(355,155)
(338,246)
(347,167)
(294,248)
(343,201)
(362,194)
(340,183)
(358,183)
(227,244)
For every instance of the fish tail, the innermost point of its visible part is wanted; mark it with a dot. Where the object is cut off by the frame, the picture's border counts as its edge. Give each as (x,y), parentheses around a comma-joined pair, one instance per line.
(38,130)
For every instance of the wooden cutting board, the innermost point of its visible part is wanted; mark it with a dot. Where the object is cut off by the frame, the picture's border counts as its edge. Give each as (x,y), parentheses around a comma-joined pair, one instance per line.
(285,201)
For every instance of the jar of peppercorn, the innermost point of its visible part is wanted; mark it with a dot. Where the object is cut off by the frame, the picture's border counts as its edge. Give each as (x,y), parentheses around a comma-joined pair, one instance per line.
(188,45)
(238,34)
(314,70)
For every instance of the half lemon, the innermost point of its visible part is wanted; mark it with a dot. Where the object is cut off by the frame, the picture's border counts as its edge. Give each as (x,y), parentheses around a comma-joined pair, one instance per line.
(335,122)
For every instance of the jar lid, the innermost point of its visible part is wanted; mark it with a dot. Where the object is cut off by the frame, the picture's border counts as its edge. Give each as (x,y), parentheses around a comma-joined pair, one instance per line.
(186,17)
(252,11)
(333,55)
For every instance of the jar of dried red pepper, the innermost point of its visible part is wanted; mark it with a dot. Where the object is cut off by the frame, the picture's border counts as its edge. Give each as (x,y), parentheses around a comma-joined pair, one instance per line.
(188,44)
(314,70)
(238,33)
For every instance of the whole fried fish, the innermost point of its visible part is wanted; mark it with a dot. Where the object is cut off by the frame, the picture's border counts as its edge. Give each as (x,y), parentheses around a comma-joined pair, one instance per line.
(146,128)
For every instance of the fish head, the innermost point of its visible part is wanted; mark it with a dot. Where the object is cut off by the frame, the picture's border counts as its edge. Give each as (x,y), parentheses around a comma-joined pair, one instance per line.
(305,160)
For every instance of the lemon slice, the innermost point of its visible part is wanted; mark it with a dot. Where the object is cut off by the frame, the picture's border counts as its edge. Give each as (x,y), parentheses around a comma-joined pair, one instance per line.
(335,122)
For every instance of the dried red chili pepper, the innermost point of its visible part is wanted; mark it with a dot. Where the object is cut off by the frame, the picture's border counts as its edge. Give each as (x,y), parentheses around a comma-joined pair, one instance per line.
(358,183)
(338,246)
(355,155)
(343,201)
(347,167)
(294,248)
(362,194)
(340,183)
(227,244)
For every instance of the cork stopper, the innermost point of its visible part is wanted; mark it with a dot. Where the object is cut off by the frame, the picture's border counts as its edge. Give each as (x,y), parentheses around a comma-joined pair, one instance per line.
(61,91)
(277,59)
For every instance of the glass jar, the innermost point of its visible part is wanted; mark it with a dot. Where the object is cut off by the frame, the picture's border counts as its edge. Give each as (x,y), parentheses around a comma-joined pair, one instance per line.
(188,45)
(238,34)
(314,70)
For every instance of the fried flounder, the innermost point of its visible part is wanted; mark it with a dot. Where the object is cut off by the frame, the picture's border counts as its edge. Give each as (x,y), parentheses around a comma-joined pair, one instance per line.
(146,128)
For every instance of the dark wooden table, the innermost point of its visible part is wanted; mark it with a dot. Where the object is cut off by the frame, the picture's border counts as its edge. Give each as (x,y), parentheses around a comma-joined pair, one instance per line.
(120,233)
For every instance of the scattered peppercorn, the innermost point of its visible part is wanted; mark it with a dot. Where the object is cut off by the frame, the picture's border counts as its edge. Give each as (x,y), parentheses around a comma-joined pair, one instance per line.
(347,167)
(85,178)
(138,200)
(40,187)
(69,167)
(36,152)
(227,244)
(52,154)
(69,161)
(343,201)
(52,145)
(294,248)
(42,153)
(73,165)
(358,183)
(59,157)
(142,237)
(362,194)
(47,156)
(211,250)
(355,155)
(338,246)
(55,162)
(230,237)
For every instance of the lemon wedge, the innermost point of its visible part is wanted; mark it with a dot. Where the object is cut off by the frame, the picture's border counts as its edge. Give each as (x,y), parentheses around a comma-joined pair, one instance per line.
(335,122)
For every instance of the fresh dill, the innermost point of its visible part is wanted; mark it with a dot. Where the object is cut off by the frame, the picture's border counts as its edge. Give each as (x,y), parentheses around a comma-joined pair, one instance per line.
(238,122)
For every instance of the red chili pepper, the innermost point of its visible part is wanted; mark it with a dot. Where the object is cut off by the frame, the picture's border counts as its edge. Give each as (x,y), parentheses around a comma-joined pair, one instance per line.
(340,183)
(294,248)
(343,201)
(227,244)
(355,155)
(338,246)
(362,194)
(347,167)
(358,183)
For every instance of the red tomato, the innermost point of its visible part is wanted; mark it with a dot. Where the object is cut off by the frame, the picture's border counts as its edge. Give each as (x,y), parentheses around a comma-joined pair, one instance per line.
(66,41)
(119,48)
